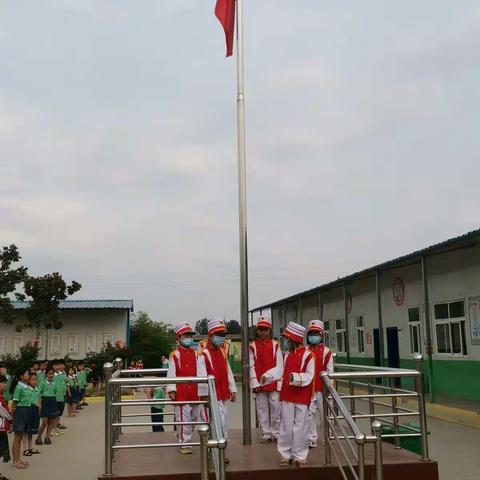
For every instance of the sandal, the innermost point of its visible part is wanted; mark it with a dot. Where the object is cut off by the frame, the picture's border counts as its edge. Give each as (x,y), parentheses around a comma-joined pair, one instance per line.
(48,441)
(19,465)
(33,452)
(27,453)
(38,441)
(301,463)
(285,462)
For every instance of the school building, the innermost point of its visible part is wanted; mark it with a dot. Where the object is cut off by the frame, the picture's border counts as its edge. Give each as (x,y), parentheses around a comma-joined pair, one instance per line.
(426,302)
(87,326)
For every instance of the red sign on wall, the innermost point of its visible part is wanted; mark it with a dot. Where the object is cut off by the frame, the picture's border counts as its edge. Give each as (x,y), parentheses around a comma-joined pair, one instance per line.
(369,338)
(398,291)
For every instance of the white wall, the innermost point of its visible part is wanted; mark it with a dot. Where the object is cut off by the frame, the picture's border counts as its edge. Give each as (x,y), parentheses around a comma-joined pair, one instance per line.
(97,322)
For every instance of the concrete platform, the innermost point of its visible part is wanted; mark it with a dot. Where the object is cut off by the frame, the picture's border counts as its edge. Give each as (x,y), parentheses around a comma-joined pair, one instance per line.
(254,462)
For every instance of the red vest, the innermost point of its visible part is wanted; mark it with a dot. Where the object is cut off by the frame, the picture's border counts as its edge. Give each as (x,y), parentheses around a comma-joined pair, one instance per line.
(293,364)
(218,368)
(186,366)
(265,358)
(320,364)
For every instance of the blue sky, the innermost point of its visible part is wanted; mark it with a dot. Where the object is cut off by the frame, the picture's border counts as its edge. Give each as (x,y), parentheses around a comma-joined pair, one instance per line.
(117,142)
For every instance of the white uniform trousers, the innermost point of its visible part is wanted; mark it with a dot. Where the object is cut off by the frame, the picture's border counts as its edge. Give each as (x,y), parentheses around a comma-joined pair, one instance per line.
(316,405)
(186,413)
(222,406)
(268,412)
(292,441)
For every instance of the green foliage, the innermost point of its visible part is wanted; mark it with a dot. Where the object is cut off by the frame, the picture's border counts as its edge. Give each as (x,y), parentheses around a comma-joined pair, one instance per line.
(201,327)
(108,353)
(27,356)
(45,293)
(10,278)
(233,327)
(149,340)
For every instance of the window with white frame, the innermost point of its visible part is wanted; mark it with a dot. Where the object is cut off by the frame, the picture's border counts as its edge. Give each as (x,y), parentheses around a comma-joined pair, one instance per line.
(326,334)
(54,342)
(450,328)
(108,338)
(91,342)
(73,343)
(2,345)
(18,342)
(341,335)
(360,327)
(414,330)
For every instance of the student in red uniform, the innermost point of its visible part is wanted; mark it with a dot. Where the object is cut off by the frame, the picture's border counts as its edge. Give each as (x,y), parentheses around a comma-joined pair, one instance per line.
(323,363)
(295,396)
(213,361)
(265,354)
(183,363)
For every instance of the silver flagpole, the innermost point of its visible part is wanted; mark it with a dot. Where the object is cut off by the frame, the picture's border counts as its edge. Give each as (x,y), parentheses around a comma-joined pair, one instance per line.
(242,217)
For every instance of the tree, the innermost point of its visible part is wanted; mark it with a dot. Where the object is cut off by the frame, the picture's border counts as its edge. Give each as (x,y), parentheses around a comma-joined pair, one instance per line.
(201,327)
(233,327)
(108,353)
(10,278)
(44,294)
(150,340)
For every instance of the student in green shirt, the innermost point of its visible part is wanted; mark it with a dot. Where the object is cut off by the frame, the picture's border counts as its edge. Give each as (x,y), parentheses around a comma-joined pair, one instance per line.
(82,376)
(41,373)
(157,393)
(21,414)
(48,407)
(34,416)
(60,380)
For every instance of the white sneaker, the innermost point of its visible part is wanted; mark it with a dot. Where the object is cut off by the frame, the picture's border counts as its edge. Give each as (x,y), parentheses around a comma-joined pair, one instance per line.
(312,444)
(265,439)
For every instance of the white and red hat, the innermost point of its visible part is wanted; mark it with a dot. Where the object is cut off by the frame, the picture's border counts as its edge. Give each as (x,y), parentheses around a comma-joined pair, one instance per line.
(294,332)
(183,327)
(216,325)
(264,322)
(316,326)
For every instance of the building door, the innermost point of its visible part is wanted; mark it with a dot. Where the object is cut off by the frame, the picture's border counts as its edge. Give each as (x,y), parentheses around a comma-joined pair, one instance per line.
(393,352)
(376,347)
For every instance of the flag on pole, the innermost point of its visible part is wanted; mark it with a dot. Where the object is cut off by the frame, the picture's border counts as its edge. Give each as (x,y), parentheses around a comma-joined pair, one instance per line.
(225,12)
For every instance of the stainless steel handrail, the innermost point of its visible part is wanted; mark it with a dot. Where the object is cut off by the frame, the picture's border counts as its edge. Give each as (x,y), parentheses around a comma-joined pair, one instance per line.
(354,382)
(210,430)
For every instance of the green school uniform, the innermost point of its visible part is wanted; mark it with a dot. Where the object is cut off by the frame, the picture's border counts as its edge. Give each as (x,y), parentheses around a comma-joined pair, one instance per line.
(7,395)
(82,379)
(61,385)
(158,394)
(41,377)
(48,389)
(34,396)
(22,396)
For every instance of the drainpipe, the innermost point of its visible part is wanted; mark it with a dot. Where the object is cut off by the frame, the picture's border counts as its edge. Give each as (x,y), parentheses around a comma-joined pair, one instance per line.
(380,317)
(428,330)
(347,326)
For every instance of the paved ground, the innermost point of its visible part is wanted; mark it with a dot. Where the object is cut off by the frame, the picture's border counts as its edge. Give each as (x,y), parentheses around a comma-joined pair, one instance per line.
(78,455)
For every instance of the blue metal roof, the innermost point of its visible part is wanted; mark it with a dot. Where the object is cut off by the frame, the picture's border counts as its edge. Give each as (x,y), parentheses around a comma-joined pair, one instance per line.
(399,261)
(86,304)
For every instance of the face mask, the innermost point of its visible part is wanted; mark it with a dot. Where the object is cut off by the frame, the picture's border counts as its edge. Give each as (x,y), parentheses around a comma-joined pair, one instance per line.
(218,341)
(187,342)
(286,344)
(314,339)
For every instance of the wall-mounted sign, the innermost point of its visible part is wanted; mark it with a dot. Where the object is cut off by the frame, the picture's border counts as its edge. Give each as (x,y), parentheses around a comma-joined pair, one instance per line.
(474,314)
(369,338)
(398,291)
(349,302)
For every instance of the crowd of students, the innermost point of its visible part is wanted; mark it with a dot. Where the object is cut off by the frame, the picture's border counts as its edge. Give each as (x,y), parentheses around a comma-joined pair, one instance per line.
(287,384)
(32,403)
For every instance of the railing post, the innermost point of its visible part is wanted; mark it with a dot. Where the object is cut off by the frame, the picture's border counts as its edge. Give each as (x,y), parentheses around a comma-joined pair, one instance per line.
(360,439)
(203,431)
(371,405)
(395,410)
(377,431)
(352,400)
(107,372)
(221,459)
(421,406)
(326,424)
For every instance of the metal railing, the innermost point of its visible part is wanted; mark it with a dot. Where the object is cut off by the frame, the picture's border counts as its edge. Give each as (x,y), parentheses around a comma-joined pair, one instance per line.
(210,431)
(354,386)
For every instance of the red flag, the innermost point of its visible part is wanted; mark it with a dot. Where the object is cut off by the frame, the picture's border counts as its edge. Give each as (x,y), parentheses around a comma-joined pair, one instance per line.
(225,12)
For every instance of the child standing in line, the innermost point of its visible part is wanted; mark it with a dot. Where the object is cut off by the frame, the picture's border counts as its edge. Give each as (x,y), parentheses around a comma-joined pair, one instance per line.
(60,380)
(5,422)
(265,354)
(156,411)
(34,417)
(82,373)
(3,371)
(296,395)
(72,392)
(183,363)
(21,415)
(323,363)
(48,408)
(212,361)
(42,372)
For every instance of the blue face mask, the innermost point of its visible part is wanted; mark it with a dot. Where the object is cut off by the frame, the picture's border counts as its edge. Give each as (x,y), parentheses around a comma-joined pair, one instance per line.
(286,344)
(187,342)
(314,339)
(218,341)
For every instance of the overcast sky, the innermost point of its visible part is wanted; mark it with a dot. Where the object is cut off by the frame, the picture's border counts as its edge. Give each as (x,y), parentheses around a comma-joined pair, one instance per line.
(118,143)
